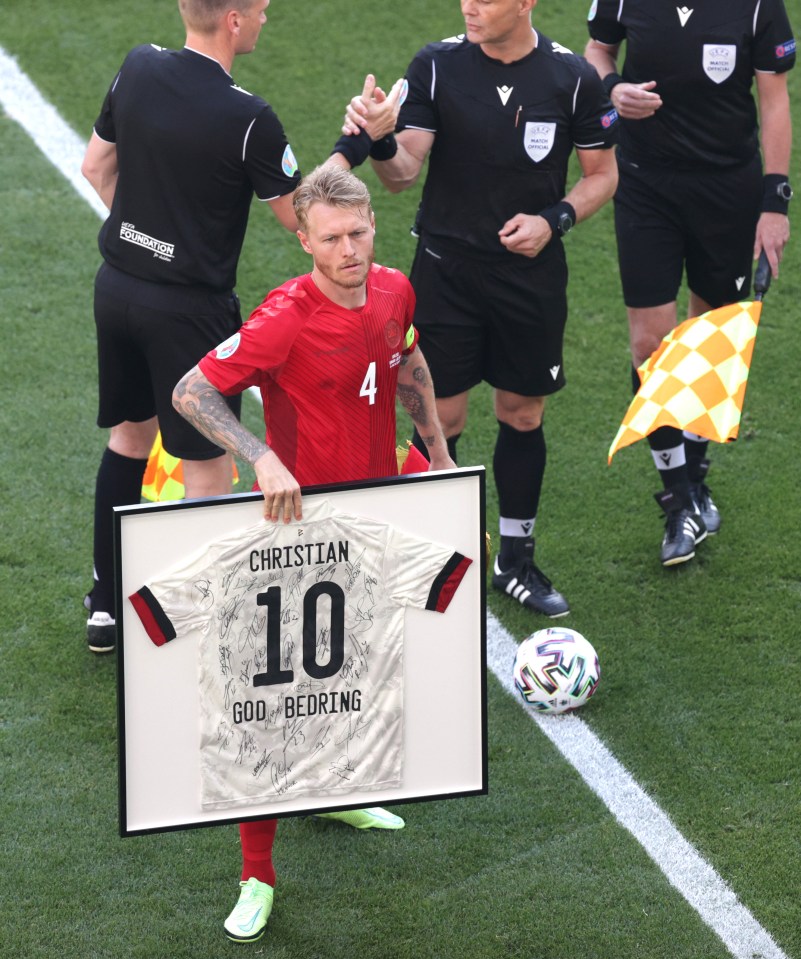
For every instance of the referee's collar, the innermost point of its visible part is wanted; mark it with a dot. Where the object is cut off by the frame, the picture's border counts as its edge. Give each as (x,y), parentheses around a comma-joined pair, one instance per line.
(207,57)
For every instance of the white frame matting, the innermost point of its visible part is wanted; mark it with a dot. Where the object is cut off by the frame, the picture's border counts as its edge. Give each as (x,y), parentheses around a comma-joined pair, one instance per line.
(445,723)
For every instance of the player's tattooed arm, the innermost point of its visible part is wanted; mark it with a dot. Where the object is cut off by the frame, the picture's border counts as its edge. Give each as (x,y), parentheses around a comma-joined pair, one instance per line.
(412,381)
(204,406)
(416,392)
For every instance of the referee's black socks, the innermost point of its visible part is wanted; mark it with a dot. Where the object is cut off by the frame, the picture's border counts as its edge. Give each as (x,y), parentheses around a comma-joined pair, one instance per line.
(119,483)
(695,448)
(670,459)
(519,466)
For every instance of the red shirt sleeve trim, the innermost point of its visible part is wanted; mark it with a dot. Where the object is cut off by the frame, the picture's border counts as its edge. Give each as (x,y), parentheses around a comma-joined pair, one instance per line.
(157,625)
(446,584)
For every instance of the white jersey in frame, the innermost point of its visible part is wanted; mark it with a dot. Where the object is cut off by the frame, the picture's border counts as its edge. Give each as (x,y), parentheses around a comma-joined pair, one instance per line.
(300,631)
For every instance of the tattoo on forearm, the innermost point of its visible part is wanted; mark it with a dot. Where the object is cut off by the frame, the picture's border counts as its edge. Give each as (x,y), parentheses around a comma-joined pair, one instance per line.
(419,372)
(205,408)
(414,404)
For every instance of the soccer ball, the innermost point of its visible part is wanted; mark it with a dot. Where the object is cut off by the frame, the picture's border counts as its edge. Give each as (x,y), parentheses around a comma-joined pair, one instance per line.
(556,670)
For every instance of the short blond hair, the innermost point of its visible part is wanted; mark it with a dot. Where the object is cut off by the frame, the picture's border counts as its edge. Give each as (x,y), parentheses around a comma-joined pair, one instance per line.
(332,185)
(203,16)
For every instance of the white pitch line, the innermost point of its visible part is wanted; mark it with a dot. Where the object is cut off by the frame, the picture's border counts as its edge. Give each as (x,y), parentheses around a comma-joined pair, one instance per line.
(41,121)
(59,143)
(684,868)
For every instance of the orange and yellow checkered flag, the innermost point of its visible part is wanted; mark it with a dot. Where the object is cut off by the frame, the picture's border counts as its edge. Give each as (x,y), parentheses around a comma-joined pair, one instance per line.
(164,475)
(696,379)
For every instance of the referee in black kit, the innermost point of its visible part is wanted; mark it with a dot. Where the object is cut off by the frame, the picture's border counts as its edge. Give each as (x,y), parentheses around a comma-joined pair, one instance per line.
(498,111)
(177,153)
(692,193)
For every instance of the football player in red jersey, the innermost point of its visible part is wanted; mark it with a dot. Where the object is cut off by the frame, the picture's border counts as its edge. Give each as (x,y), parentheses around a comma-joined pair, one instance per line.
(330,351)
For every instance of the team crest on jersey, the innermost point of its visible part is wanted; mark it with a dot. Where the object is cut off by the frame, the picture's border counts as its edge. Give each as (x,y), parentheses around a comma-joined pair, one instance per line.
(288,162)
(785,49)
(227,347)
(538,139)
(392,334)
(719,60)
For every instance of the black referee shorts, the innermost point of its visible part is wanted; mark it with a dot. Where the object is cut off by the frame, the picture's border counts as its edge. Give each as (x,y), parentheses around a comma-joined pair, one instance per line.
(501,320)
(148,336)
(667,221)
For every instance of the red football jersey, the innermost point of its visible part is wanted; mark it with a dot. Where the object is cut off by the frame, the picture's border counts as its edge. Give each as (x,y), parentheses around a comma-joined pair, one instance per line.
(327,375)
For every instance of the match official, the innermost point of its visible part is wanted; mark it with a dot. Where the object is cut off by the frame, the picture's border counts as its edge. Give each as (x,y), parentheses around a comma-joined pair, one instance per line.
(695,194)
(498,113)
(177,154)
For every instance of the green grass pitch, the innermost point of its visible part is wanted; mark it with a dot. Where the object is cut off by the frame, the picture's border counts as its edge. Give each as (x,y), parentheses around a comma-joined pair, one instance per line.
(701,666)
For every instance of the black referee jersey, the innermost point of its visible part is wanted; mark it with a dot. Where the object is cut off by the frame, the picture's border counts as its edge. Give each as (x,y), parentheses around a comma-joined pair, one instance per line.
(703,57)
(192,149)
(504,133)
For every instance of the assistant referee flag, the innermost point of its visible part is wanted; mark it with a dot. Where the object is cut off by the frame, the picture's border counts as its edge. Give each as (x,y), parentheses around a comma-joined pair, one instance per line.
(164,475)
(696,379)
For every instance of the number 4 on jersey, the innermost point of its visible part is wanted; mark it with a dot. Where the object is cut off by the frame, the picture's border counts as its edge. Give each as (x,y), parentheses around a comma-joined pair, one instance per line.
(368,386)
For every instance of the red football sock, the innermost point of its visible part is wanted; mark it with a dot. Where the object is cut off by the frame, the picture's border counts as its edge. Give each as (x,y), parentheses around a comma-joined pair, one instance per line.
(257,850)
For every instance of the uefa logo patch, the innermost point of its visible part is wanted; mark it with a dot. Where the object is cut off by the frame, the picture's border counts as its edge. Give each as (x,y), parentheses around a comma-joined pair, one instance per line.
(719,60)
(538,139)
(785,49)
(608,119)
(227,347)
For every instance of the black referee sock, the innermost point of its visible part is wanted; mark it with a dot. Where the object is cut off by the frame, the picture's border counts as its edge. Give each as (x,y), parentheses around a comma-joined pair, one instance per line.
(511,551)
(667,450)
(695,448)
(119,483)
(519,466)
(635,380)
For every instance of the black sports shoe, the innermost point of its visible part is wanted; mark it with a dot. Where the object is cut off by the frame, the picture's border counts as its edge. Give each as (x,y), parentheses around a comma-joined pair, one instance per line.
(703,497)
(684,525)
(101,633)
(529,585)
(710,514)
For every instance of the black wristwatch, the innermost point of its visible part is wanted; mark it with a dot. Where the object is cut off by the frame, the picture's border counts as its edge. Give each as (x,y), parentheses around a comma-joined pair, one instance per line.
(561,217)
(776,193)
(565,223)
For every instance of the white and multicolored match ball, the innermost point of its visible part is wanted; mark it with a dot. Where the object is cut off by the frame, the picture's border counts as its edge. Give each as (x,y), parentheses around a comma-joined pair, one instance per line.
(556,670)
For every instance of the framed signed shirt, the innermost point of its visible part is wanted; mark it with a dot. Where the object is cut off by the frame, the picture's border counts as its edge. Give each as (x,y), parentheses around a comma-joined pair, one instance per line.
(300,650)
(275,670)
